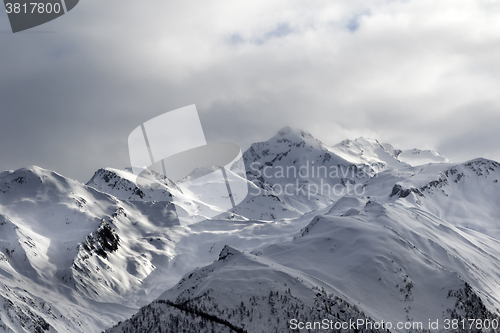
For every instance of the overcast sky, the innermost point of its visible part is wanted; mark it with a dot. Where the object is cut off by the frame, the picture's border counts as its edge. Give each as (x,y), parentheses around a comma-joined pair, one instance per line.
(422,74)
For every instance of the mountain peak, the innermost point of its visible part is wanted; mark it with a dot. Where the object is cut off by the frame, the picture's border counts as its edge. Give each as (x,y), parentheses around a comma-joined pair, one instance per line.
(125,185)
(367,141)
(291,130)
(107,173)
(29,175)
(30,170)
(227,251)
(285,130)
(294,132)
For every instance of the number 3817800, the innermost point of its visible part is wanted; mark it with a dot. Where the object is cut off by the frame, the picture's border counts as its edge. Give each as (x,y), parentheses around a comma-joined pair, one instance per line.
(33,8)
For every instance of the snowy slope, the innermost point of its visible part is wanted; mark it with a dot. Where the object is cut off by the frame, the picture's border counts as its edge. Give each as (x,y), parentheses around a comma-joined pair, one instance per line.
(359,253)
(419,157)
(421,233)
(242,293)
(77,249)
(123,185)
(417,237)
(81,249)
(350,258)
(370,251)
(464,194)
(379,156)
(303,174)
(58,236)
(382,156)
(300,172)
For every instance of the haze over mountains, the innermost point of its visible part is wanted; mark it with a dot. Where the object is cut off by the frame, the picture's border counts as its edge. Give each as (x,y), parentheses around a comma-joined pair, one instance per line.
(371,232)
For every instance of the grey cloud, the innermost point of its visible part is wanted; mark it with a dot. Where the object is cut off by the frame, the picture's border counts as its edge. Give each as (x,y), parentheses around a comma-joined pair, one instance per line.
(409,75)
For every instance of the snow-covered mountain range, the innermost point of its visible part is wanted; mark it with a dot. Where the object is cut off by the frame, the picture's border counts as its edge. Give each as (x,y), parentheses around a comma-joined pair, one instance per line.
(356,231)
